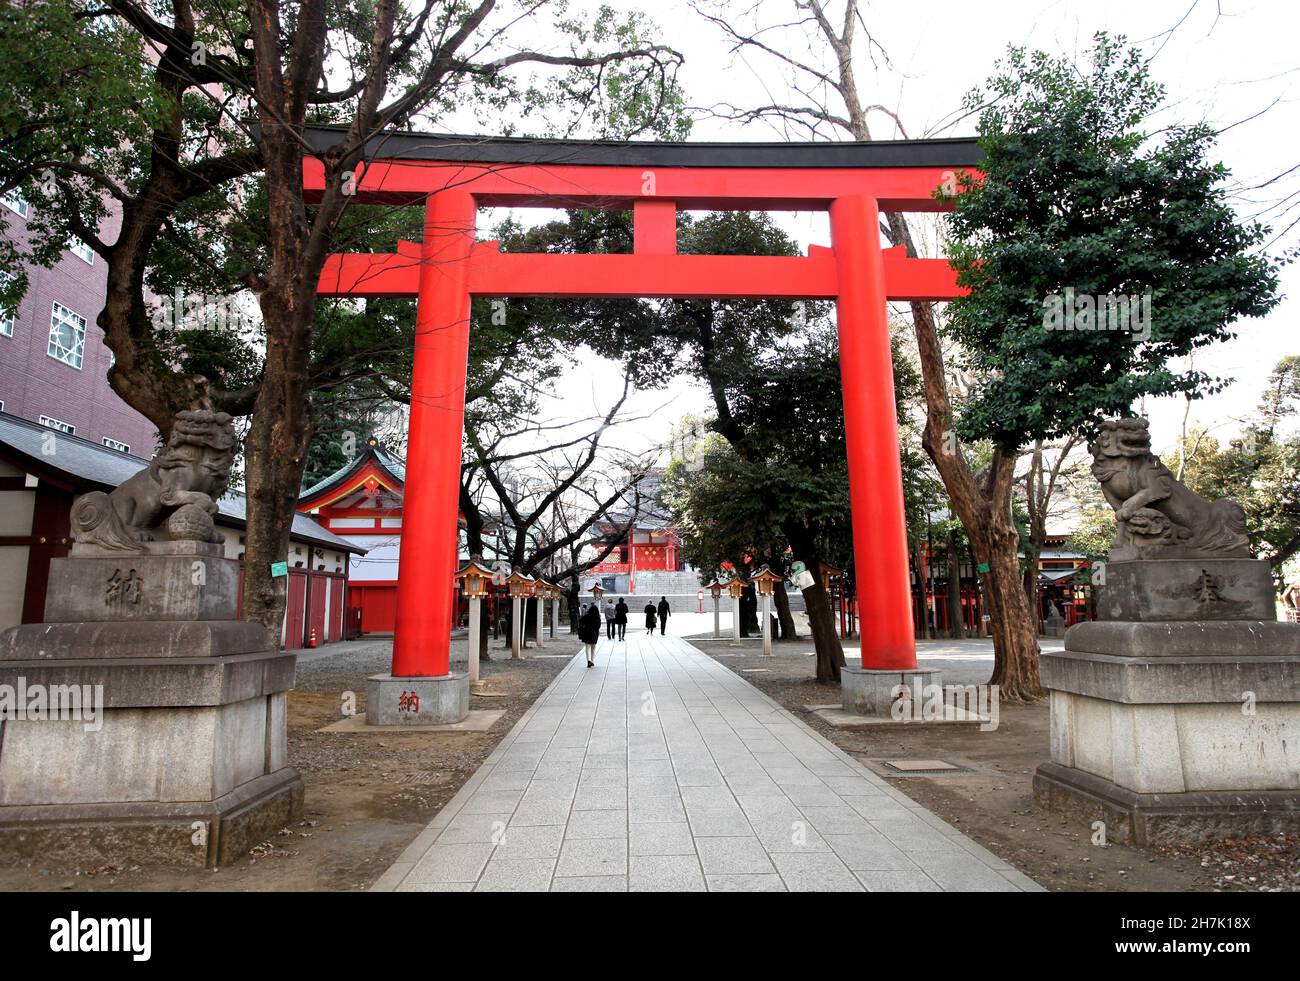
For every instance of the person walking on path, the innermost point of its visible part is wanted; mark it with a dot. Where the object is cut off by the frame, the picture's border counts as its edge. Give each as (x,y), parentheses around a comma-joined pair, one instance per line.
(650,618)
(620,618)
(589,632)
(609,619)
(664,611)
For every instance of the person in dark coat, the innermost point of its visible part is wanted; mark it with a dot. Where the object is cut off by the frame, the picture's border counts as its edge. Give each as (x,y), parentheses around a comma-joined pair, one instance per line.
(649,618)
(589,632)
(620,619)
(664,611)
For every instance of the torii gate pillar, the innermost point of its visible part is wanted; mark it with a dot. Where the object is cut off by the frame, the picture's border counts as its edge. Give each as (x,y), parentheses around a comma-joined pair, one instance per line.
(421,686)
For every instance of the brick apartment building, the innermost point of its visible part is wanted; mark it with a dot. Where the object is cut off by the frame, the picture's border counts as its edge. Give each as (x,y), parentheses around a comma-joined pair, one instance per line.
(53,360)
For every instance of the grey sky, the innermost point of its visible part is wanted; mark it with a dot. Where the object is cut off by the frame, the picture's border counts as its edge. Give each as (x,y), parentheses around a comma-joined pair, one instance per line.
(1224,63)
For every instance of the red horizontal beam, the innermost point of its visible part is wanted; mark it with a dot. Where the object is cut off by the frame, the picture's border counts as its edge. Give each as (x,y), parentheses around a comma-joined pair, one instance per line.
(373,275)
(495,273)
(692,188)
(919,279)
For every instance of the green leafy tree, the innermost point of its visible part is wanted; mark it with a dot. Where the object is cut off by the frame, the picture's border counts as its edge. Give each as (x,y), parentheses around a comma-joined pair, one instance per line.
(1077,194)
(1260,469)
(186,117)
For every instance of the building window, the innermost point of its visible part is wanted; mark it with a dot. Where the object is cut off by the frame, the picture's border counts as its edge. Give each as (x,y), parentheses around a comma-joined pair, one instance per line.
(14,201)
(62,427)
(67,336)
(7,316)
(113,444)
(82,251)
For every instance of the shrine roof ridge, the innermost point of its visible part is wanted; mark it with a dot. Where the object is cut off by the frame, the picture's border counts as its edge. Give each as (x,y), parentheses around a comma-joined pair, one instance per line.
(946,152)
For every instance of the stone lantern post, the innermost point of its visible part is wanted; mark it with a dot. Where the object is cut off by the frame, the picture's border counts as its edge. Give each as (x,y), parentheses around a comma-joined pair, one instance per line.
(473,578)
(765,581)
(516,585)
(541,590)
(735,586)
(715,590)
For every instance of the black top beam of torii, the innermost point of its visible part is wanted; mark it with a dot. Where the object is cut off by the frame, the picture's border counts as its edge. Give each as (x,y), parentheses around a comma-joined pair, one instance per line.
(955,152)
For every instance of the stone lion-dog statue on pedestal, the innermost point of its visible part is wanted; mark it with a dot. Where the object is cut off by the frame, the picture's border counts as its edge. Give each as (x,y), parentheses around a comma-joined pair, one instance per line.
(173,498)
(1158,517)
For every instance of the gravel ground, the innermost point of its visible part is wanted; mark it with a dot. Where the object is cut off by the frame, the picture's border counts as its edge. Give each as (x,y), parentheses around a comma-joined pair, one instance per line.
(367,794)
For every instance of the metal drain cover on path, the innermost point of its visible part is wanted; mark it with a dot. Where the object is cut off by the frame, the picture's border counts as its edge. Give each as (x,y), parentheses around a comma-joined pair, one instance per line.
(919,766)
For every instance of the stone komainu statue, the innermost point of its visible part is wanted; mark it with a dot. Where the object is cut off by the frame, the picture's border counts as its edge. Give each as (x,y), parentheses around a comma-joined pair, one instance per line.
(175,497)
(1158,517)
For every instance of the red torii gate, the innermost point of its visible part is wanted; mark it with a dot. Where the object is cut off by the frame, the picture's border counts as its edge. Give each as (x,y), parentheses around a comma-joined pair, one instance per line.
(454,176)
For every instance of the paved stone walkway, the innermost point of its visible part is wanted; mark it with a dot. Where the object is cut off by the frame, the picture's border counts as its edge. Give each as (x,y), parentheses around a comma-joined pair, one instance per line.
(660,769)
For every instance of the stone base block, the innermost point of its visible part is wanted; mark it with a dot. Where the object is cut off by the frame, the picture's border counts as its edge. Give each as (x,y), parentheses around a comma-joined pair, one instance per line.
(1187,638)
(185,584)
(155,638)
(1187,589)
(154,682)
(417,701)
(1167,679)
(187,833)
(867,691)
(1163,819)
(1180,747)
(143,755)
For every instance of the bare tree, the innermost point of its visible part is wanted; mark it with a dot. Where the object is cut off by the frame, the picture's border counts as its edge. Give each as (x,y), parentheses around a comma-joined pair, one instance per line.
(825,99)
(548,502)
(1040,483)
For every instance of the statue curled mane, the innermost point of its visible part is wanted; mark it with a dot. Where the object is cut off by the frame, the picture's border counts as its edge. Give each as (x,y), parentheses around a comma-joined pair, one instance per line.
(174,497)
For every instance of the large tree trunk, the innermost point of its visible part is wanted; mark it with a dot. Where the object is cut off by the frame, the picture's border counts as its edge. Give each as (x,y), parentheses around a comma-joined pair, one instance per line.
(983,504)
(1011,626)
(275,451)
(826,639)
(748,612)
(986,514)
(571,599)
(782,603)
(956,623)
(821,614)
(920,603)
(1029,579)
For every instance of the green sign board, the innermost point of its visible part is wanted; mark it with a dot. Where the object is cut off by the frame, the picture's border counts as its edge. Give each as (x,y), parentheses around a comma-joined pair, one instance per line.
(279,568)
(982,567)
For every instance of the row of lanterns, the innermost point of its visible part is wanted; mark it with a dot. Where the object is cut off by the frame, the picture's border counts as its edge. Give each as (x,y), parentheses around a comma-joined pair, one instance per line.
(764,582)
(473,579)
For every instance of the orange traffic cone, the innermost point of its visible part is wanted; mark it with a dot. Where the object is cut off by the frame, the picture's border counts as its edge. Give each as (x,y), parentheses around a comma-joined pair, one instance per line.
(311,638)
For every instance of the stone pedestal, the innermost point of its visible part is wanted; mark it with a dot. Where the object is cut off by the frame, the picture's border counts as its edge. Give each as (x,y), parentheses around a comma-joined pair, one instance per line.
(867,691)
(426,701)
(1177,717)
(174,748)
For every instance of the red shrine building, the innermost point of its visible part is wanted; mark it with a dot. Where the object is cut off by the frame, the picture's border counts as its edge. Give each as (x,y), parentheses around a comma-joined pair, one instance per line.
(649,545)
(362,504)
